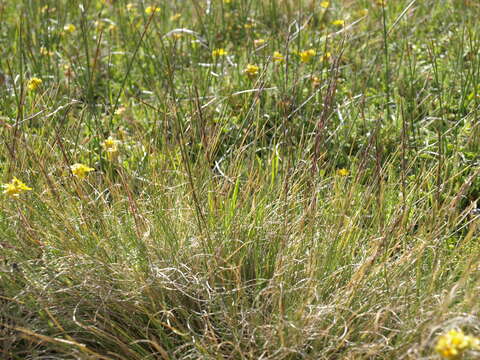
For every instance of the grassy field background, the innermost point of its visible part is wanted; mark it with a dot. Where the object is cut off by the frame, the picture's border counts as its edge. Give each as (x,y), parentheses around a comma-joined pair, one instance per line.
(238,179)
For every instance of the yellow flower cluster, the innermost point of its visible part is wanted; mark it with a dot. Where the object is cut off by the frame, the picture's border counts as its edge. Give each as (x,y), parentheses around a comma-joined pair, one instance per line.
(34,83)
(80,171)
(151,9)
(15,187)
(338,22)
(252,70)
(307,55)
(452,344)
(278,57)
(219,53)
(111,147)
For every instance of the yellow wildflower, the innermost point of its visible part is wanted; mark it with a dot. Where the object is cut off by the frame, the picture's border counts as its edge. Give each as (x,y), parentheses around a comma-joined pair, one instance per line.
(452,344)
(258,42)
(175,17)
(34,83)
(324,4)
(130,7)
(152,9)
(252,70)
(338,22)
(227,1)
(307,55)
(278,57)
(15,187)
(111,147)
(80,170)
(70,28)
(219,53)
(342,172)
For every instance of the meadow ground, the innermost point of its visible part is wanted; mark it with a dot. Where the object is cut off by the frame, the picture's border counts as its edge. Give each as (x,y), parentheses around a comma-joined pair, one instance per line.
(239,179)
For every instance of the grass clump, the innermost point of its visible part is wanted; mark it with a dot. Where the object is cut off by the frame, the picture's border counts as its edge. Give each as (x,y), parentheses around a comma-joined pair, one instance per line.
(239,179)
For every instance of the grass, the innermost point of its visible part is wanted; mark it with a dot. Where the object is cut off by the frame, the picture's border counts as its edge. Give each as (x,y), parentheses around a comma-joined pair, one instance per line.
(311,210)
